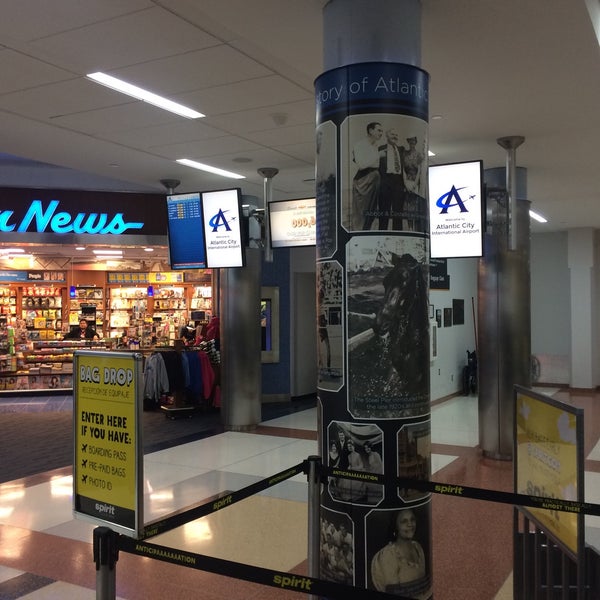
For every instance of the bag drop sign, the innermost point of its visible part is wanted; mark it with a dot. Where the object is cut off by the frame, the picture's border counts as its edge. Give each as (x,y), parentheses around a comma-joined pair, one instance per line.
(107,467)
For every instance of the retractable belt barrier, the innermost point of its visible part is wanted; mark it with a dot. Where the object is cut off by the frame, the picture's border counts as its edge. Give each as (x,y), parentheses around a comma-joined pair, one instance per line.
(278,579)
(107,543)
(462,491)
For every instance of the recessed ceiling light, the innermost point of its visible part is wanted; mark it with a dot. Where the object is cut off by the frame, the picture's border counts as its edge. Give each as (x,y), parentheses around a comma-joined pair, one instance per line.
(141,94)
(79,247)
(202,167)
(148,249)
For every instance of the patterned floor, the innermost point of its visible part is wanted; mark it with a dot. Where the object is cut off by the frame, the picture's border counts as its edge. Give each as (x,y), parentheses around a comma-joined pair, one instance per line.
(45,554)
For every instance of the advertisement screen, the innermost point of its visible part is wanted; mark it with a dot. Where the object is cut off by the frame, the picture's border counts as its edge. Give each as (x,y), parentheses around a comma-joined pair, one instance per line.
(186,233)
(456,210)
(222,228)
(292,223)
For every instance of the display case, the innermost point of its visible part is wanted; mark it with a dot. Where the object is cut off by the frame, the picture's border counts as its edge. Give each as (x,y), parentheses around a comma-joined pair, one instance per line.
(87,302)
(42,365)
(201,302)
(41,311)
(170,312)
(8,305)
(128,310)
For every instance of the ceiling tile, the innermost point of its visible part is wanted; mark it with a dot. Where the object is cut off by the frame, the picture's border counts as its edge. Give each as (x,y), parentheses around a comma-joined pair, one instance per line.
(196,70)
(21,72)
(244,95)
(27,20)
(123,41)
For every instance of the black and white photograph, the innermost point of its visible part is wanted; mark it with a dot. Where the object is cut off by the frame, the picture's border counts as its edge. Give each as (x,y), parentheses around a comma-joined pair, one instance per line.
(388,327)
(385,175)
(414,457)
(398,544)
(355,447)
(337,547)
(330,339)
(326,161)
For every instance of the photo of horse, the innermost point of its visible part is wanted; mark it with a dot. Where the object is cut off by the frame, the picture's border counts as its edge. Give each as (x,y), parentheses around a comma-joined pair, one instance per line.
(388,327)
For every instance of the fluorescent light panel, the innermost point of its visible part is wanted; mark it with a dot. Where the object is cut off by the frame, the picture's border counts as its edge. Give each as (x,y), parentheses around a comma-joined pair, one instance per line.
(141,94)
(537,217)
(108,252)
(202,167)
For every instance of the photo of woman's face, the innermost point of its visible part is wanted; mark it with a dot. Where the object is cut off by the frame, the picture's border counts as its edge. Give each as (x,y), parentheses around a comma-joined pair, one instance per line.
(406,524)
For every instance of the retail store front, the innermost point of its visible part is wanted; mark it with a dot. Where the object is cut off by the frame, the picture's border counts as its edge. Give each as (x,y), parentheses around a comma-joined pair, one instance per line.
(107,266)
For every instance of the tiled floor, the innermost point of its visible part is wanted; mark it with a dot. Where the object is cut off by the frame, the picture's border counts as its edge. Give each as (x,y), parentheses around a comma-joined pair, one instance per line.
(45,554)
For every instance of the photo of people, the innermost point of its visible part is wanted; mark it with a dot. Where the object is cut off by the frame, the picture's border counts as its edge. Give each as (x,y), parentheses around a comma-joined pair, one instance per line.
(388,326)
(414,457)
(384,174)
(330,349)
(355,447)
(398,543)
(337,547)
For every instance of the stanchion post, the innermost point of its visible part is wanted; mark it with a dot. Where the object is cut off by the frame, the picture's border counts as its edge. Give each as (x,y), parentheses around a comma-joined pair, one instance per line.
(314,520)
(106,554)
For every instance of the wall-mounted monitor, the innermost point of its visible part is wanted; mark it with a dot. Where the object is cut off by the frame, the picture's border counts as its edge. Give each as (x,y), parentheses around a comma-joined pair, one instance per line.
(292,223)
(456,209)
(186,231)
(222,212)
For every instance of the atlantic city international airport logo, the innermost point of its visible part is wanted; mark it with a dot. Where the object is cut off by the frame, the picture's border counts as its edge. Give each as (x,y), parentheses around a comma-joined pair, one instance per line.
(452,199)
(219,220)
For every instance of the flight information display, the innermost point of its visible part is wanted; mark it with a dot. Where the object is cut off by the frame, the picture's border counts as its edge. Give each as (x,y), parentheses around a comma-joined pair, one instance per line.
(186,231)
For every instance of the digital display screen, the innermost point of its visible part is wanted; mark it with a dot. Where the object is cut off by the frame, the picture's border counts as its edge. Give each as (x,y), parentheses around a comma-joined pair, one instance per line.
(456,210)
(222,212)
(186,231)
(293,223)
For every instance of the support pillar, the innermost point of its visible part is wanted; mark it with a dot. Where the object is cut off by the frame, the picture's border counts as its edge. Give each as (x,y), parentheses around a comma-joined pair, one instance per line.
(240,344)
(582,268)
(504,307)
(372,290)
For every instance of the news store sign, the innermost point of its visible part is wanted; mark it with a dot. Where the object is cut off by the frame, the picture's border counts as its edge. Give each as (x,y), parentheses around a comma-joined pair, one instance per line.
(108,453)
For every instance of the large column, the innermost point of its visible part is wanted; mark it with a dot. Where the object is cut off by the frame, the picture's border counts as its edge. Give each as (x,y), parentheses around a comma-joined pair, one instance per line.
(504,313)
(582,267)
(372,290)
(241,344)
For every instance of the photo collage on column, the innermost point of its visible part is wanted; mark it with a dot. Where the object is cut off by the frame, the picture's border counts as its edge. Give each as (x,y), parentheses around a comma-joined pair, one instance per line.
(384,175)
(359,448)
(330,326)
(337,547)
(398,545)
(387,326)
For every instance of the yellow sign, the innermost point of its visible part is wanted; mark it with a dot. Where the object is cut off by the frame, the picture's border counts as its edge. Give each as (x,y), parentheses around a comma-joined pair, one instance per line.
(106,449)
(547,462)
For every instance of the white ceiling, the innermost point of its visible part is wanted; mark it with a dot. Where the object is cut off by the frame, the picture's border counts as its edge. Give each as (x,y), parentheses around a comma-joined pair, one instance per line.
(498,68)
